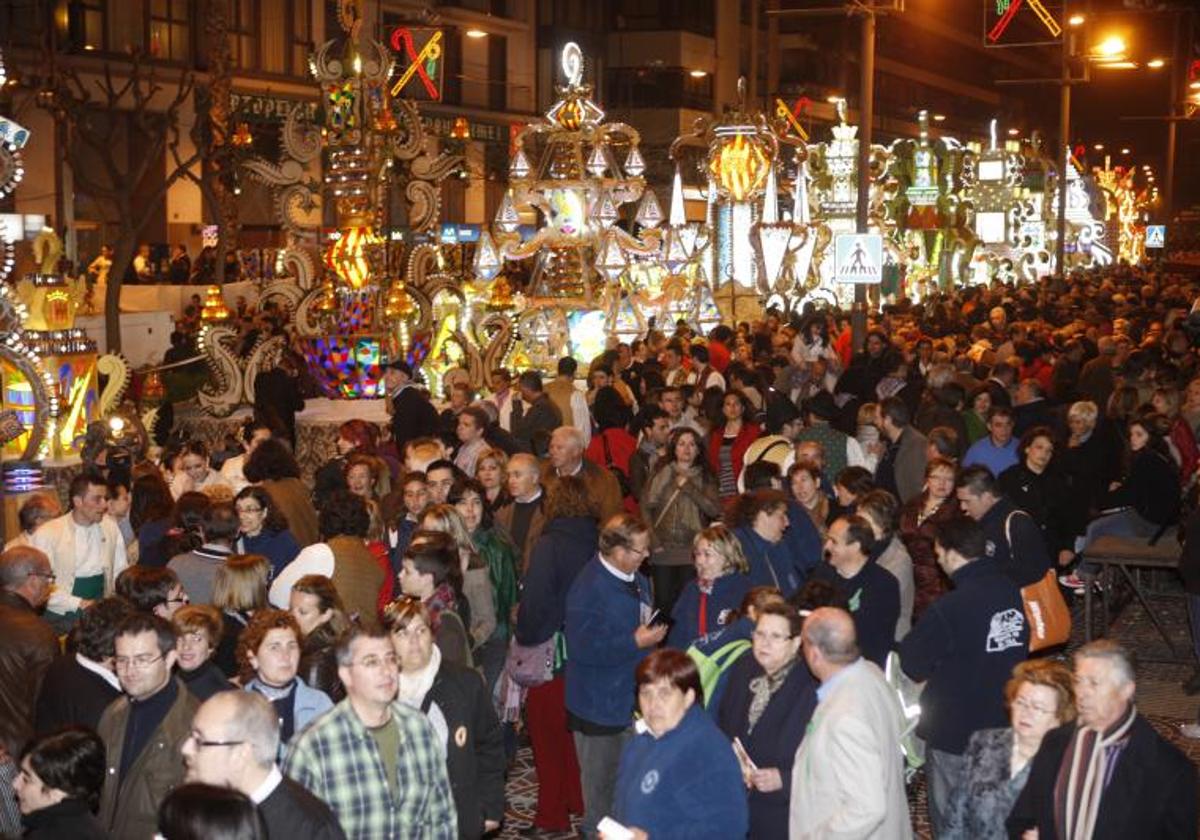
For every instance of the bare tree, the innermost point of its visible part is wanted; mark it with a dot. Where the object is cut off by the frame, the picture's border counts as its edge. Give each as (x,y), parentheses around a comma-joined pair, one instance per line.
(136,114)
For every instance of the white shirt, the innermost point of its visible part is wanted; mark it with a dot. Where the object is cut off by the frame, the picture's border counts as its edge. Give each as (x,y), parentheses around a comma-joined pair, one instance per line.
(233,473)
(77,551)
(274,779)
(316,559)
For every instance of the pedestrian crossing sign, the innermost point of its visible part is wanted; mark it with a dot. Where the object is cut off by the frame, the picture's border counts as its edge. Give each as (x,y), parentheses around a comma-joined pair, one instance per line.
(858,258)
(1156,236)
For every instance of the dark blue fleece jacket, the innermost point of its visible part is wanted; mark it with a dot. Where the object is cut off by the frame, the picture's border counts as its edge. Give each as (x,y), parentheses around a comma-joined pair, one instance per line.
(726,596)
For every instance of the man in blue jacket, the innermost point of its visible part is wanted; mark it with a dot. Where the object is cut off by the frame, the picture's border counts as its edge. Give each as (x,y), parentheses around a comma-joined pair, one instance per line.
(608,634)
(964,649)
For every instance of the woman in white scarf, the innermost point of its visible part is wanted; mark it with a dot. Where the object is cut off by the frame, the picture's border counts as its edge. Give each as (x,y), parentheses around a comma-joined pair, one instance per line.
(455,701)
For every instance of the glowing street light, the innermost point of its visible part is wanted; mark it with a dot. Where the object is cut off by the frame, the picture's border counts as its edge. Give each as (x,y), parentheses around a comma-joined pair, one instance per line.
(1125,151)
(1076,20)
(698,74)
(1099,147)
(1111,47)
(939,117)
(1155,63)
(475,34)
(1013,132)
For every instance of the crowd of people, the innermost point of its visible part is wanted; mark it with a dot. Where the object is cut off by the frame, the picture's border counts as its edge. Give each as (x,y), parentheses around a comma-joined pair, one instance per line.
(704,588)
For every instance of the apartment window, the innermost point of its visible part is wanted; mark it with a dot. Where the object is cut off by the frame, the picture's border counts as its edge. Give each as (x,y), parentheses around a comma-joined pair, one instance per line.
(670,87)
(302,36)
(88,18)
(698,16)
(497,72)
(243,34)
(169,26)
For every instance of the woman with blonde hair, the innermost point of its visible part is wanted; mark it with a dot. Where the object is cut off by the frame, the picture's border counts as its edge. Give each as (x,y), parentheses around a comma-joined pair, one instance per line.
(239,589)
(1040,696)
(476,579)
(491,467)
(711,599)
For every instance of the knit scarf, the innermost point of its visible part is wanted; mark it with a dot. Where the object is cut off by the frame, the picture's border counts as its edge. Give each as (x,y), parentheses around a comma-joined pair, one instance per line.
(441,599)
(763,687)
(416,684)
(1082,777)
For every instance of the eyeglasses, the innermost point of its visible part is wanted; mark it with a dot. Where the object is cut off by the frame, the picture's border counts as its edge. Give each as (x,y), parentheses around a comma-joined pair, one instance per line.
(255,509)
(201,742)
(50,576)
(374,663)
(144,660)
(1031,707)
(771,638)
(181,598)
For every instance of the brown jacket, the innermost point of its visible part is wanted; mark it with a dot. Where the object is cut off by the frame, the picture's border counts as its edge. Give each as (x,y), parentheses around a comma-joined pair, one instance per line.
(129,806)
(602,486)
(503,519)
(27,647)
(357,577)
(291,497)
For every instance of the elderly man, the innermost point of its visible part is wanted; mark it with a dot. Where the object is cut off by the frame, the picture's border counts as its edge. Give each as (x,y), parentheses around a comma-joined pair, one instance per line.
(35,512)
(1108,774)
(376,762)
(144,730)
(28,644)
(86,551)
(566,458)
(233,743)
(608,633)
(848,778)
(522,518)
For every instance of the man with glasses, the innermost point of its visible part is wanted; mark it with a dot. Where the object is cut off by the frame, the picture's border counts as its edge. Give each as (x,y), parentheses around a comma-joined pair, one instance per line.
(152,589)
(374,761)
(144,730)
(964,649)
(609,631)
(27,647)
(86,551)
(233,743)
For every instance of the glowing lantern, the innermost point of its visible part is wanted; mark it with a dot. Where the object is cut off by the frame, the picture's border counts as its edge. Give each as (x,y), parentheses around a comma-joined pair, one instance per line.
(214,305)
(349,256)
(739,162)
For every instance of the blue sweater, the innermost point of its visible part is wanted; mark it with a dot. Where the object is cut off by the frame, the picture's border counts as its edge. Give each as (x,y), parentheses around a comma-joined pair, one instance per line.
(566,545)
(964,649)
(772,565)
(802,538)
(995,458)
(280,547)
(686,784)
(603,612)
(873,598)
(727,594)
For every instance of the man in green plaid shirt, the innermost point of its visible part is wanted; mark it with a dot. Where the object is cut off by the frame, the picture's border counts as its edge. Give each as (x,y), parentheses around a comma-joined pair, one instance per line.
(377,763)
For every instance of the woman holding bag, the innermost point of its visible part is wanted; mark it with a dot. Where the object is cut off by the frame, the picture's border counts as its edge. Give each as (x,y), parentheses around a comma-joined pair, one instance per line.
(680,498)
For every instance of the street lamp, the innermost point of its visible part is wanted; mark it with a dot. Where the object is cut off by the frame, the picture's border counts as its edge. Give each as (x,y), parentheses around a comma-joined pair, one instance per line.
(1076,20)
(1155,63)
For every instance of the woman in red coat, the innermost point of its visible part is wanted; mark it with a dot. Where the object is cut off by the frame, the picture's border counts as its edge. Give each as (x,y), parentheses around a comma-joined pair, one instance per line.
(727,444)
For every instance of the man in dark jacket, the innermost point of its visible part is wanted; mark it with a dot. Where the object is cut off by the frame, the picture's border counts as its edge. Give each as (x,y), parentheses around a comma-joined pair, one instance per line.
(79,686)
(412,414)
(277,395)
(1108,775)
(28,643)
(233,743)
(1011,537)
(608,634)
(964,649)
(534,416)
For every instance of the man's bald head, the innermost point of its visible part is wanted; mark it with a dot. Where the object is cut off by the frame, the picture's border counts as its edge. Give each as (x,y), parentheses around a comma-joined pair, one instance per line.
(524,462)
(830,632)
(26,571)
(524,476)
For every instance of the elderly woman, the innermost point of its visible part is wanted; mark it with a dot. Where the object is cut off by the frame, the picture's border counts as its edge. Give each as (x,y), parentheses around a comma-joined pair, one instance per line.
(679,499)
(431,573)
(273,466)
(759,519)
(920,520)
(679,778)
(264,529)
(767,705)
(269,655)
(567,543)
(317,608)
(711,600)
(58,786)
(1040,697)
(728,442)
(1036,485)
(239,590)
(197,634)
(361,577)
(1089,462)
(459,708)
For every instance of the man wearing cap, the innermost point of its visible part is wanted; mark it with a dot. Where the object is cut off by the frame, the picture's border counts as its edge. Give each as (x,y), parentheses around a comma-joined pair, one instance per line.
(412,414)
(841,450)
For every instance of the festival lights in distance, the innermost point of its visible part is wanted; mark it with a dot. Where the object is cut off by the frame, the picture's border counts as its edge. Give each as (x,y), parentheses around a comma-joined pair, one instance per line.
(1076,20)
(698,74)
(1155,63)
(475,34)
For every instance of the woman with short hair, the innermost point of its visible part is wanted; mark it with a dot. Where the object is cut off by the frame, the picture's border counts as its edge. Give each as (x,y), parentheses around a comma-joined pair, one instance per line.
(239,590)
(759,520)
(198,630)
(58,786)
(679,778)
(804,480)
(1040,696)
(920,519)
(711,599)
(458,706)
(268,654)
